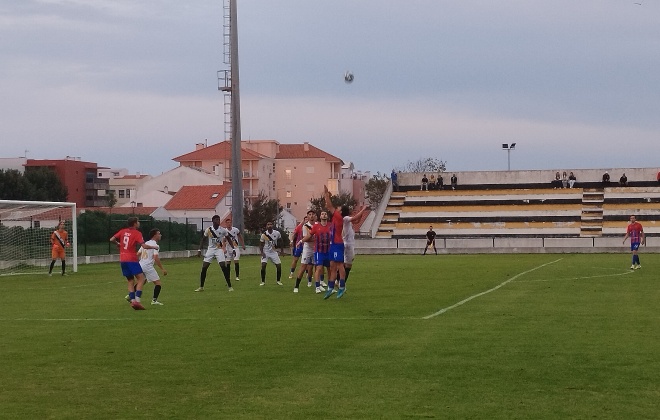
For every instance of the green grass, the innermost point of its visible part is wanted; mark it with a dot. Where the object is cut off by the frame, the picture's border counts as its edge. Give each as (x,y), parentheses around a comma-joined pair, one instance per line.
(576,338)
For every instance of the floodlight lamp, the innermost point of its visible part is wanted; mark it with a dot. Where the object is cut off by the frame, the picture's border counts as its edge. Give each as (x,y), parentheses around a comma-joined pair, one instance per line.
(505,146)
(513,146)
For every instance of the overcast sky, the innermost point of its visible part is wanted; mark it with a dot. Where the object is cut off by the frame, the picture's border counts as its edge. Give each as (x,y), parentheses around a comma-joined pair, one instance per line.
(133,83)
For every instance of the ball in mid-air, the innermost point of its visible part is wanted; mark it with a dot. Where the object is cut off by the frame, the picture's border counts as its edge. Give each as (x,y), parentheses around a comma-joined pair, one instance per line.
(348,77)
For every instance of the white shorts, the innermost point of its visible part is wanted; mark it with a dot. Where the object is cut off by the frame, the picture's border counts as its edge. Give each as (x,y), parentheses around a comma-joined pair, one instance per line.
(273,256)
(216,253)
(150,273)
(307,256)
(349,254)
(233,254)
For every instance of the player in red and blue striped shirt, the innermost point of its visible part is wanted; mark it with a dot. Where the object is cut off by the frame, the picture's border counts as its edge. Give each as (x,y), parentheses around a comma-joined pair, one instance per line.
(636,233)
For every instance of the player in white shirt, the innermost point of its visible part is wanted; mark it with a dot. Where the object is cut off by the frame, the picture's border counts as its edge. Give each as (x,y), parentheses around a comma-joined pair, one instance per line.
(268,247)
(234,243)
(216,236)
(149,257)
(307,256)
(348,235)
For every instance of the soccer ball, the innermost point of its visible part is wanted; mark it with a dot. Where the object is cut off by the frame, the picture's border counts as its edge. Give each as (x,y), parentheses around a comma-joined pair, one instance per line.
(348,77)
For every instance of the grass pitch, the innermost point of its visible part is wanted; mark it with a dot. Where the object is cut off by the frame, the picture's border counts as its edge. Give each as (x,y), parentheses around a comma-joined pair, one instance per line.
(460,336)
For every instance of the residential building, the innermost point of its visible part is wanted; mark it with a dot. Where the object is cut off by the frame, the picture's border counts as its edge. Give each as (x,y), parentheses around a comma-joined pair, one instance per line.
(158,190)
(125,188)
(80,179)
(257,169)
(195,203)
(292,173)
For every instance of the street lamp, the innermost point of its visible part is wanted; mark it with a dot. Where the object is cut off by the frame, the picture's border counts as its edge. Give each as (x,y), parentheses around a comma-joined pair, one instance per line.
(508,148)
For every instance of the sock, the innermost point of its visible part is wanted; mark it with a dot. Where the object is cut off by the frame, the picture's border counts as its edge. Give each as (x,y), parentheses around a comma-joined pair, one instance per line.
(342,284)
(157,291)
(322,277)
(63,266)
(52,264)
(226,270)
(138,295)
(279,272)
(263,274)
(298,281)
(318,284)
(237,269)
(348,271)
(202,276)
(331,284)
(131,296)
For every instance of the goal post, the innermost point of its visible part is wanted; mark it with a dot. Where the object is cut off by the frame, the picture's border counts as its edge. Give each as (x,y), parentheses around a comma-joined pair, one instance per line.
(25,231)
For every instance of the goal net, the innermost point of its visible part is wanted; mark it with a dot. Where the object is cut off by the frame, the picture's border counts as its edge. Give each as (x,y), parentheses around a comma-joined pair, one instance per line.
(25,231)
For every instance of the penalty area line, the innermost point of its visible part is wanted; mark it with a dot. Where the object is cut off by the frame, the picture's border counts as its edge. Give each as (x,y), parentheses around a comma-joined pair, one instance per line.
(466,300)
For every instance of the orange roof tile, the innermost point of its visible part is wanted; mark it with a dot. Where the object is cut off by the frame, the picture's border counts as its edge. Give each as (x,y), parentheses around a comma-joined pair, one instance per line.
(198,197)
(297,151)
(220,150)
(139,211)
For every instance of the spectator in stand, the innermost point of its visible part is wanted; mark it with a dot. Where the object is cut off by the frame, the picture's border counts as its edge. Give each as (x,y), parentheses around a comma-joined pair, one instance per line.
(557,182)
(440,182)
(425,183)
(571,180)
(454,182)
(623,181)
(606,178)
(564,180)
(395,180)
(432,182)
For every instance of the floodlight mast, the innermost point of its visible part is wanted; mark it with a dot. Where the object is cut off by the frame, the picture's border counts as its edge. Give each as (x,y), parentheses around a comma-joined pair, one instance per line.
(237,170)
(508,147)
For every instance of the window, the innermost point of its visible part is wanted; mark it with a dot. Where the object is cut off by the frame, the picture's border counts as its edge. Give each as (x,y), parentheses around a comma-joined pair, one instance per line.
(288,206)
(287,174)
(128,193)
(121,193)
(37,224)
(273,185)
(288,194)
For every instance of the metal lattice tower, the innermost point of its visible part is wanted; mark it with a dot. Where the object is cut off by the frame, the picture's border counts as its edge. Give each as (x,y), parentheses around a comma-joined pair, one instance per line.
(228,84)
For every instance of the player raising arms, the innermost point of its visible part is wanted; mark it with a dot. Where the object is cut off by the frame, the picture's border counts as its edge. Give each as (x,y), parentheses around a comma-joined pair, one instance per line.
(59,240)
(217,240)
(348,235)
(336,248)
(149,257)
(128,240)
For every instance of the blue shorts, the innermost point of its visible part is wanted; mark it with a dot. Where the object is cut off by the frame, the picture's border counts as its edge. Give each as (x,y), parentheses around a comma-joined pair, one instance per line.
(337,252)
(130,269)
(322,258)
(634,246)
(297,251)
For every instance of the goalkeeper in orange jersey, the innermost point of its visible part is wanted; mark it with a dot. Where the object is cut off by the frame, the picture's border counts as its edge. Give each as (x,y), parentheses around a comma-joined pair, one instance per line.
(59,240)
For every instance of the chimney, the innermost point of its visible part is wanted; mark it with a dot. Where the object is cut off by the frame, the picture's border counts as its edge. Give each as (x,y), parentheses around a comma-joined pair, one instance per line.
(306,146)
(199,146)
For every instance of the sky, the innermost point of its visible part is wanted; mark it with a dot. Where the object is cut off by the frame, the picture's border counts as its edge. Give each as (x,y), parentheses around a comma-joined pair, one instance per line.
(133,83)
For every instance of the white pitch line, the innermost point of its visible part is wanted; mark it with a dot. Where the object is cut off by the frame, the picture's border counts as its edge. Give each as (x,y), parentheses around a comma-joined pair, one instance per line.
(625,273)
(455,305)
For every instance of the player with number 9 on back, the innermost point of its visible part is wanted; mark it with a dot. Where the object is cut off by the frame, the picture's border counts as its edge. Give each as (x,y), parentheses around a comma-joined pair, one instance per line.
(129,240)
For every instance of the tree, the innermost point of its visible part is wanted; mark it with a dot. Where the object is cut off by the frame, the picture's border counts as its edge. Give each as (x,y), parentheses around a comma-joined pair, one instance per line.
(111,199)
(36,184)
(341,199)
(425,165)
(261,211)
(375,189)
(46,183)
